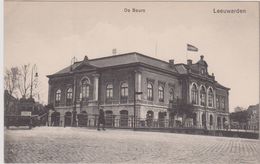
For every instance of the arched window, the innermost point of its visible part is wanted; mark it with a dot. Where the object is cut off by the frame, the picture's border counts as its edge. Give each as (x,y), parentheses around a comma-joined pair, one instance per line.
(69,97)
(161,94)
(217,102)
(211,120)
(124,90)
(150,91)
(210,97)
(171,94)
(222,103)
(194,94)
(203,96)
(109,91)
(85,88)
(57,97)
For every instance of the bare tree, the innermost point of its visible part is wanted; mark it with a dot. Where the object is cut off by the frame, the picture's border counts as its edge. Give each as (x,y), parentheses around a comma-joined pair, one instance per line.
(11,80)
(28,81)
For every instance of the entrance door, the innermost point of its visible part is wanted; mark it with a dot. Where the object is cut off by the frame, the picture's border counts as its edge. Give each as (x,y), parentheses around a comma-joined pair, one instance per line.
(123,118)
(67,119)
(109,118)
(161,119)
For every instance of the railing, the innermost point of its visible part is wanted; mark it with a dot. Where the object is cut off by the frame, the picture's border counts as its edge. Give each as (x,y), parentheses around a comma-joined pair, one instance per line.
(113,121)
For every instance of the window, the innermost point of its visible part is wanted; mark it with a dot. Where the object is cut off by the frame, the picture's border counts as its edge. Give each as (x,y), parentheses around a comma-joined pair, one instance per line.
(171,95)
(57,97)
(109,91)
(194,94)
(210,98)
(203,96)
(203,71)
(161,94)
(222,103)
(124,90)
(85,88)
(217,102)
(211,120)
(149,91)
(69,97)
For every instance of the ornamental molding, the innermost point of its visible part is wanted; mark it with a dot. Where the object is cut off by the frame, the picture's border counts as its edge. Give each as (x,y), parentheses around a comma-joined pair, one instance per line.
(162,83)
(149,80)
(171,85)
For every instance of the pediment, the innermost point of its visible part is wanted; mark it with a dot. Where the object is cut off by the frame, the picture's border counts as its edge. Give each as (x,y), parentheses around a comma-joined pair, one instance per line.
(85,67)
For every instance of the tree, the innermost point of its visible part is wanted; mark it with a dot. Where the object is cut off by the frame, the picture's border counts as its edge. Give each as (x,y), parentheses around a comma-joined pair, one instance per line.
(184,110)
(19,81)
(11,80)
(27,82)
(240,117)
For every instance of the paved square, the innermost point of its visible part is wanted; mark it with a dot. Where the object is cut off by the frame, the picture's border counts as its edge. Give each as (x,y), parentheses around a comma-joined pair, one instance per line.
(58,144)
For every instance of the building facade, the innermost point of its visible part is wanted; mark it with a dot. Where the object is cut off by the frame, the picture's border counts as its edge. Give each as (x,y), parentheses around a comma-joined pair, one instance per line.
(253,117)
(133,84)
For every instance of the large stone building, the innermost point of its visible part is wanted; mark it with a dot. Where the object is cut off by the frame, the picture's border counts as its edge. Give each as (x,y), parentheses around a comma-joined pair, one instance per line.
(158,86)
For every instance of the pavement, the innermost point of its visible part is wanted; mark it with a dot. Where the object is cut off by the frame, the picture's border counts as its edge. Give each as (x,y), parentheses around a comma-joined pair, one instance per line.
(82,145)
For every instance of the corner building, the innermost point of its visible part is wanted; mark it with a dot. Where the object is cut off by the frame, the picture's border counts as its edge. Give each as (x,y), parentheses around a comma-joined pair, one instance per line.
(111,81)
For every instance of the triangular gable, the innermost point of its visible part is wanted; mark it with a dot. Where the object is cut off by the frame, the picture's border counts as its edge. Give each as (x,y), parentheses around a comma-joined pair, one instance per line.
(85,65)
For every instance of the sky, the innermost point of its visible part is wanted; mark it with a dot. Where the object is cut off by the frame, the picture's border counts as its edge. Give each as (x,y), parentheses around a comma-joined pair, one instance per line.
(50,34)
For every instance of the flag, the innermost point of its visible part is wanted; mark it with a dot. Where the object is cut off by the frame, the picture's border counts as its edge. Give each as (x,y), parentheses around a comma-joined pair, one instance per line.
(191,48)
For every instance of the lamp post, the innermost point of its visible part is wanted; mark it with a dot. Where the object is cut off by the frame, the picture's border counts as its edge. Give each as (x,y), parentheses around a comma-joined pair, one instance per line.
(36,76)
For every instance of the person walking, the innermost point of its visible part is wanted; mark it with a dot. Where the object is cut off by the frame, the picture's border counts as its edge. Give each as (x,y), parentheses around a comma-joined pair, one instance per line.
(101,119)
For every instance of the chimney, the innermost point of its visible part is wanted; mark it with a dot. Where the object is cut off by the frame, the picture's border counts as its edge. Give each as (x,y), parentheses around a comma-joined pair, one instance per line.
(114,51)
(171,62)
(201,57)
(189,62)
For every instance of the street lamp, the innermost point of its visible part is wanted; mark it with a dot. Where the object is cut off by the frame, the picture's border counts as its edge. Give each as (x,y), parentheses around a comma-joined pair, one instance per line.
(36,76)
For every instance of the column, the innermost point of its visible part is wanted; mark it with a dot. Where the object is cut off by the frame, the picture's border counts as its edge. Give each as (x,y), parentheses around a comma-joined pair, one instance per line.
(74,91)
(95,91)
(221,120)
(198,119)
(138,84)
(50,93)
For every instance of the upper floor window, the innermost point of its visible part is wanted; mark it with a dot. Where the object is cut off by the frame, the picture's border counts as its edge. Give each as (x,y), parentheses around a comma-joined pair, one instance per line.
(85,88)
(69,97)
(171,94)
(217,102)
(222,102)
(149,91)
(161,94)
(194,94)
(109,91)
(57,97)
(203,71)
(203,96)
(124,89)
(210,97)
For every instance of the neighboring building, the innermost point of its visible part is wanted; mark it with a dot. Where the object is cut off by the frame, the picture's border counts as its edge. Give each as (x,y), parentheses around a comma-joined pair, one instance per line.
(253,116)
(239,109)
(10,104)
(111,81)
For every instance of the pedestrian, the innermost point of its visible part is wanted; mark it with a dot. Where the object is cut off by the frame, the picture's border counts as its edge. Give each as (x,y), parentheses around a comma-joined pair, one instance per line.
(101,119)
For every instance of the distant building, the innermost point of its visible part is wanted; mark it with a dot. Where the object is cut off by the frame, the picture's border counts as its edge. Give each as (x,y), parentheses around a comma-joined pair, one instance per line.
(112,82)
(239,109)
(10,104)
(253,116)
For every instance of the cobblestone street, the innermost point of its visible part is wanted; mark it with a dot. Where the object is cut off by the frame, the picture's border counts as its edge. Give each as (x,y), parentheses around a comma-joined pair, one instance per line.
(58,144)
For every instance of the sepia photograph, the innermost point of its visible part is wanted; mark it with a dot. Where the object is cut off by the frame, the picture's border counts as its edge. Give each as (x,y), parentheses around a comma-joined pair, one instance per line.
(130,81)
